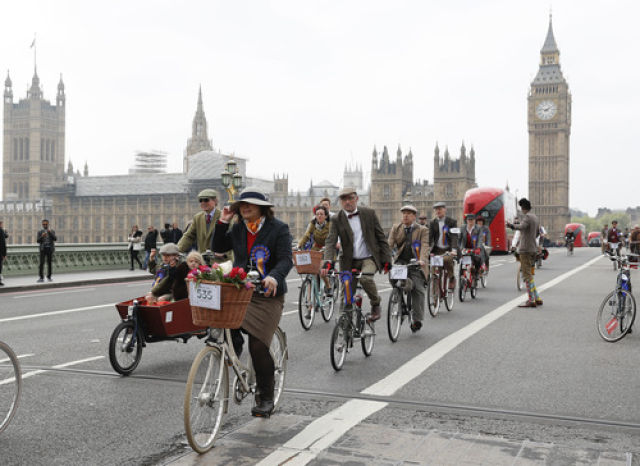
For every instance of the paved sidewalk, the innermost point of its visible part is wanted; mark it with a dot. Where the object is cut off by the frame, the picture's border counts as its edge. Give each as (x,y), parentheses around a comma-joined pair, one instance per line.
(374,444)
(86,277)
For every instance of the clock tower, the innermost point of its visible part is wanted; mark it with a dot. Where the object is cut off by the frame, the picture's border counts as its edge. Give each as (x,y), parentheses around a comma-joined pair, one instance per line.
(549,124)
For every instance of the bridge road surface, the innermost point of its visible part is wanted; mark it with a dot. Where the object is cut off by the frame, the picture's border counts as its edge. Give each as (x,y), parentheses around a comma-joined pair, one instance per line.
(544,361)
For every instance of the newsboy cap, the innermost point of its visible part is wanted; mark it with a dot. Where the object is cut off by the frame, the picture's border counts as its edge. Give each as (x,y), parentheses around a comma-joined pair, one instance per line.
(439,204)
(347,190)
(169,248)
(208,193)
(410,208)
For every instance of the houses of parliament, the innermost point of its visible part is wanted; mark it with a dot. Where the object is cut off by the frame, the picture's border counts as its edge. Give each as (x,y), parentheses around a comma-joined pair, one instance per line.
(99,209)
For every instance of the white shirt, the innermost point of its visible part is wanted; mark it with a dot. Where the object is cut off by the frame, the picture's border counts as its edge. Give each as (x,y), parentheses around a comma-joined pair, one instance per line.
(360,249)
(441,237)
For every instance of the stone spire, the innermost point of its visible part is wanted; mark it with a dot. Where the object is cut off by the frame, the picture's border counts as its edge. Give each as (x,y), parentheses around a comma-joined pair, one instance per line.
(60,98)
(8,92)
(86,168)
(35,92)
(550,45)
(199,140)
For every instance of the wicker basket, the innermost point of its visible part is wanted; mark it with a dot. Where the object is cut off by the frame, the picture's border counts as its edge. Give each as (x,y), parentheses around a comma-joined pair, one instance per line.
(312,268)
(233,303)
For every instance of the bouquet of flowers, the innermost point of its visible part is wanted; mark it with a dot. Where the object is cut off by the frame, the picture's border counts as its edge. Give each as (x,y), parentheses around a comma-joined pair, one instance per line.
(222,273)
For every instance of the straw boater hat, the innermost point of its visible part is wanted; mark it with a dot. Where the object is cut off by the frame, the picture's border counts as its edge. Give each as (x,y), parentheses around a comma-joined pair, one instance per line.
(251,196)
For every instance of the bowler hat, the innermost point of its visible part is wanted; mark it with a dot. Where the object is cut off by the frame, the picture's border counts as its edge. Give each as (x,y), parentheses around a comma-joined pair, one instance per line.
(211,193)
(251,195)
(169,248)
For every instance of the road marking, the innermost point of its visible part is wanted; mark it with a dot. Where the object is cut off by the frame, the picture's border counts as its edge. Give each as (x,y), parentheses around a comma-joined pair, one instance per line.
(59,366)
(18,356)
(54,313)
(324,431)
(37,295)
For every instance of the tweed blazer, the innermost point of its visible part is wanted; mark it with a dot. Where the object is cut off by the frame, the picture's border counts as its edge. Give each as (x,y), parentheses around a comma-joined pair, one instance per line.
(274,234)
(199,232)
(373,237)
(319,236)
(477,232)
(529,228)
(419,233)
(434,232)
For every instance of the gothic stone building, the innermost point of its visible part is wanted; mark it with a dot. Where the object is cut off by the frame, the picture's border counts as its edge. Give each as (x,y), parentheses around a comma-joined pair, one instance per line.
(392,184)
(549,122)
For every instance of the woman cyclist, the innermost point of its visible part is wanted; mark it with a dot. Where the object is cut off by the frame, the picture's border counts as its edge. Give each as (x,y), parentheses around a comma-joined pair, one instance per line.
(316,235)
(259,239)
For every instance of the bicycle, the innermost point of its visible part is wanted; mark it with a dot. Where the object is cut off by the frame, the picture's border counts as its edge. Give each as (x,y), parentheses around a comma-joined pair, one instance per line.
(438,290)
(352,324)
(400,301)
(468,276)
(207,392)
(613,249)
(313,297)
(618,309)
(10,385)
(569,246)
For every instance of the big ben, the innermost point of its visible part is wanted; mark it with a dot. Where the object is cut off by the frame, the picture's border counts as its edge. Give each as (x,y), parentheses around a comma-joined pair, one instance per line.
(549,121)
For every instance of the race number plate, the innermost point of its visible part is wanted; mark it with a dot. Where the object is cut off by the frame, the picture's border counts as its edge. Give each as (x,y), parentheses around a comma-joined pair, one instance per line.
(303,259)
(399,272)
(466,260)
(204,295)
(437,261)
(613,246)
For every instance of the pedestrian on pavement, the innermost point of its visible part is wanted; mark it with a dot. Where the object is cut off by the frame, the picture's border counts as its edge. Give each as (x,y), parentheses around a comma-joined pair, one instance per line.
(3,249)
(363,243)
(46,239)
(203,225)
(256,232)
(529,226)
(603,237)
(176,233)
(150,244)
(442,240)
(135,245)
(410,240)
(165,233)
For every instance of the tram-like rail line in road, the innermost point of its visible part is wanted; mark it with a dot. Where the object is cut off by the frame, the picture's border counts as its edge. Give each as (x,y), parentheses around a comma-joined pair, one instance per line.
(446,408)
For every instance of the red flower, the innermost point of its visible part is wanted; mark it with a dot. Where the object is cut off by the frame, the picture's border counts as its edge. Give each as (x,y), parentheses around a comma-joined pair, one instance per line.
(233,273)
(242,274)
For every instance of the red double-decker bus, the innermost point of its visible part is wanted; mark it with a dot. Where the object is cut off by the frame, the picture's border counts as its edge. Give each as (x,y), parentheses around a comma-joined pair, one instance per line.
(579,234)
(497,206)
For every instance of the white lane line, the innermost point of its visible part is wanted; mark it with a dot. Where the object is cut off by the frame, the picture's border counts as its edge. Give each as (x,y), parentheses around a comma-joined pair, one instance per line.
(289,312)
(55,313)
(37,295)
(59,366)
(493,266)
(324,431)
(18,356)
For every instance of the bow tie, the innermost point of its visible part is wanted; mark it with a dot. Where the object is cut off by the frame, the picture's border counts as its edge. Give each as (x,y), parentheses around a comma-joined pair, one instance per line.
(353,214)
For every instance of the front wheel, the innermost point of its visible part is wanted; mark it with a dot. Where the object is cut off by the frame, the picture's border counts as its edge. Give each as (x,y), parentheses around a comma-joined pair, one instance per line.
(462,287)
(306,303)
(205,399)
(339,344)
(367,337)
(11,381)
(394,315)
(280,354)
(484,278)
(474,288)
(125,348)
(433,295)
(449,297)
(329,302)
(616,315)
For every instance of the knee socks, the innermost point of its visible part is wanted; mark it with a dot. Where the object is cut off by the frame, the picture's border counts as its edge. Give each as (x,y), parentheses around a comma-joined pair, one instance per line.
(532,290)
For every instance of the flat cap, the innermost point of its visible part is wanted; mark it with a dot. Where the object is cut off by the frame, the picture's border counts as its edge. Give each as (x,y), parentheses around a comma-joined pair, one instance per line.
(470,216)
(439,204)
(208,193)
(347,190)
(410,208)
(169,248)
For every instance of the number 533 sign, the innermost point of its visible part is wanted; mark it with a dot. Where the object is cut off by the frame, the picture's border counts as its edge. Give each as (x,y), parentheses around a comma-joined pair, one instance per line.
(204,295)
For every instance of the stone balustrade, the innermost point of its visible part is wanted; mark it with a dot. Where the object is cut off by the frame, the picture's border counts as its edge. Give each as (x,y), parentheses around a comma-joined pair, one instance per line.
(24,259)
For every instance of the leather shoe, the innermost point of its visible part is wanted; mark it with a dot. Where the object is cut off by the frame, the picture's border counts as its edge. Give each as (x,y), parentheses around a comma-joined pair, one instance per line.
(263,409)
(538,302)
(375,313)
(528,304)
(415,326)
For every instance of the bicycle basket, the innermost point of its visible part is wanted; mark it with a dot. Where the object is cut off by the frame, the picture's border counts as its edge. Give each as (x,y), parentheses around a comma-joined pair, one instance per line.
(233,303)
(307,261)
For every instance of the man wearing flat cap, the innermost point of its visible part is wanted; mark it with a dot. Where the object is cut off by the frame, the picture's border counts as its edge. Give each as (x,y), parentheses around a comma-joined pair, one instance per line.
(441,239)
(204,223)
(410,240)
(364,246)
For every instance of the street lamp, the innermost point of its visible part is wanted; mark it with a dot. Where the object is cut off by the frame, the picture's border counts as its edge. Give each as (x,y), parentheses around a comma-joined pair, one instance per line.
(231,179)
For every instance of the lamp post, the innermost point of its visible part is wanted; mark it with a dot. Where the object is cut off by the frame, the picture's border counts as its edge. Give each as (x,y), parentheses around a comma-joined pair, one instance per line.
(231,179)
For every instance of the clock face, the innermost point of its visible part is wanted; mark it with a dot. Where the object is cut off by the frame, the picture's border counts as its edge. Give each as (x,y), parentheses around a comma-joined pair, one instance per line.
(546,109)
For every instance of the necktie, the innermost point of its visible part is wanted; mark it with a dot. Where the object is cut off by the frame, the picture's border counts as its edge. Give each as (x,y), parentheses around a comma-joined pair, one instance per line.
(353,214)
(208,219)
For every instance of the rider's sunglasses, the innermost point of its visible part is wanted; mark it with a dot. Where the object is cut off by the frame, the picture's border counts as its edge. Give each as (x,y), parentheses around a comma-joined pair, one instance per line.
(204,199)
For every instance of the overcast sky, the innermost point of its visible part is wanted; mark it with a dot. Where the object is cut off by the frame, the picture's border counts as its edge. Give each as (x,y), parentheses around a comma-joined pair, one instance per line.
(302,87)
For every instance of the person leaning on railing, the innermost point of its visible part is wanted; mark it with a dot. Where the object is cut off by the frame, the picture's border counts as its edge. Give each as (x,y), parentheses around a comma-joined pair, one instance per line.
(258,230)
